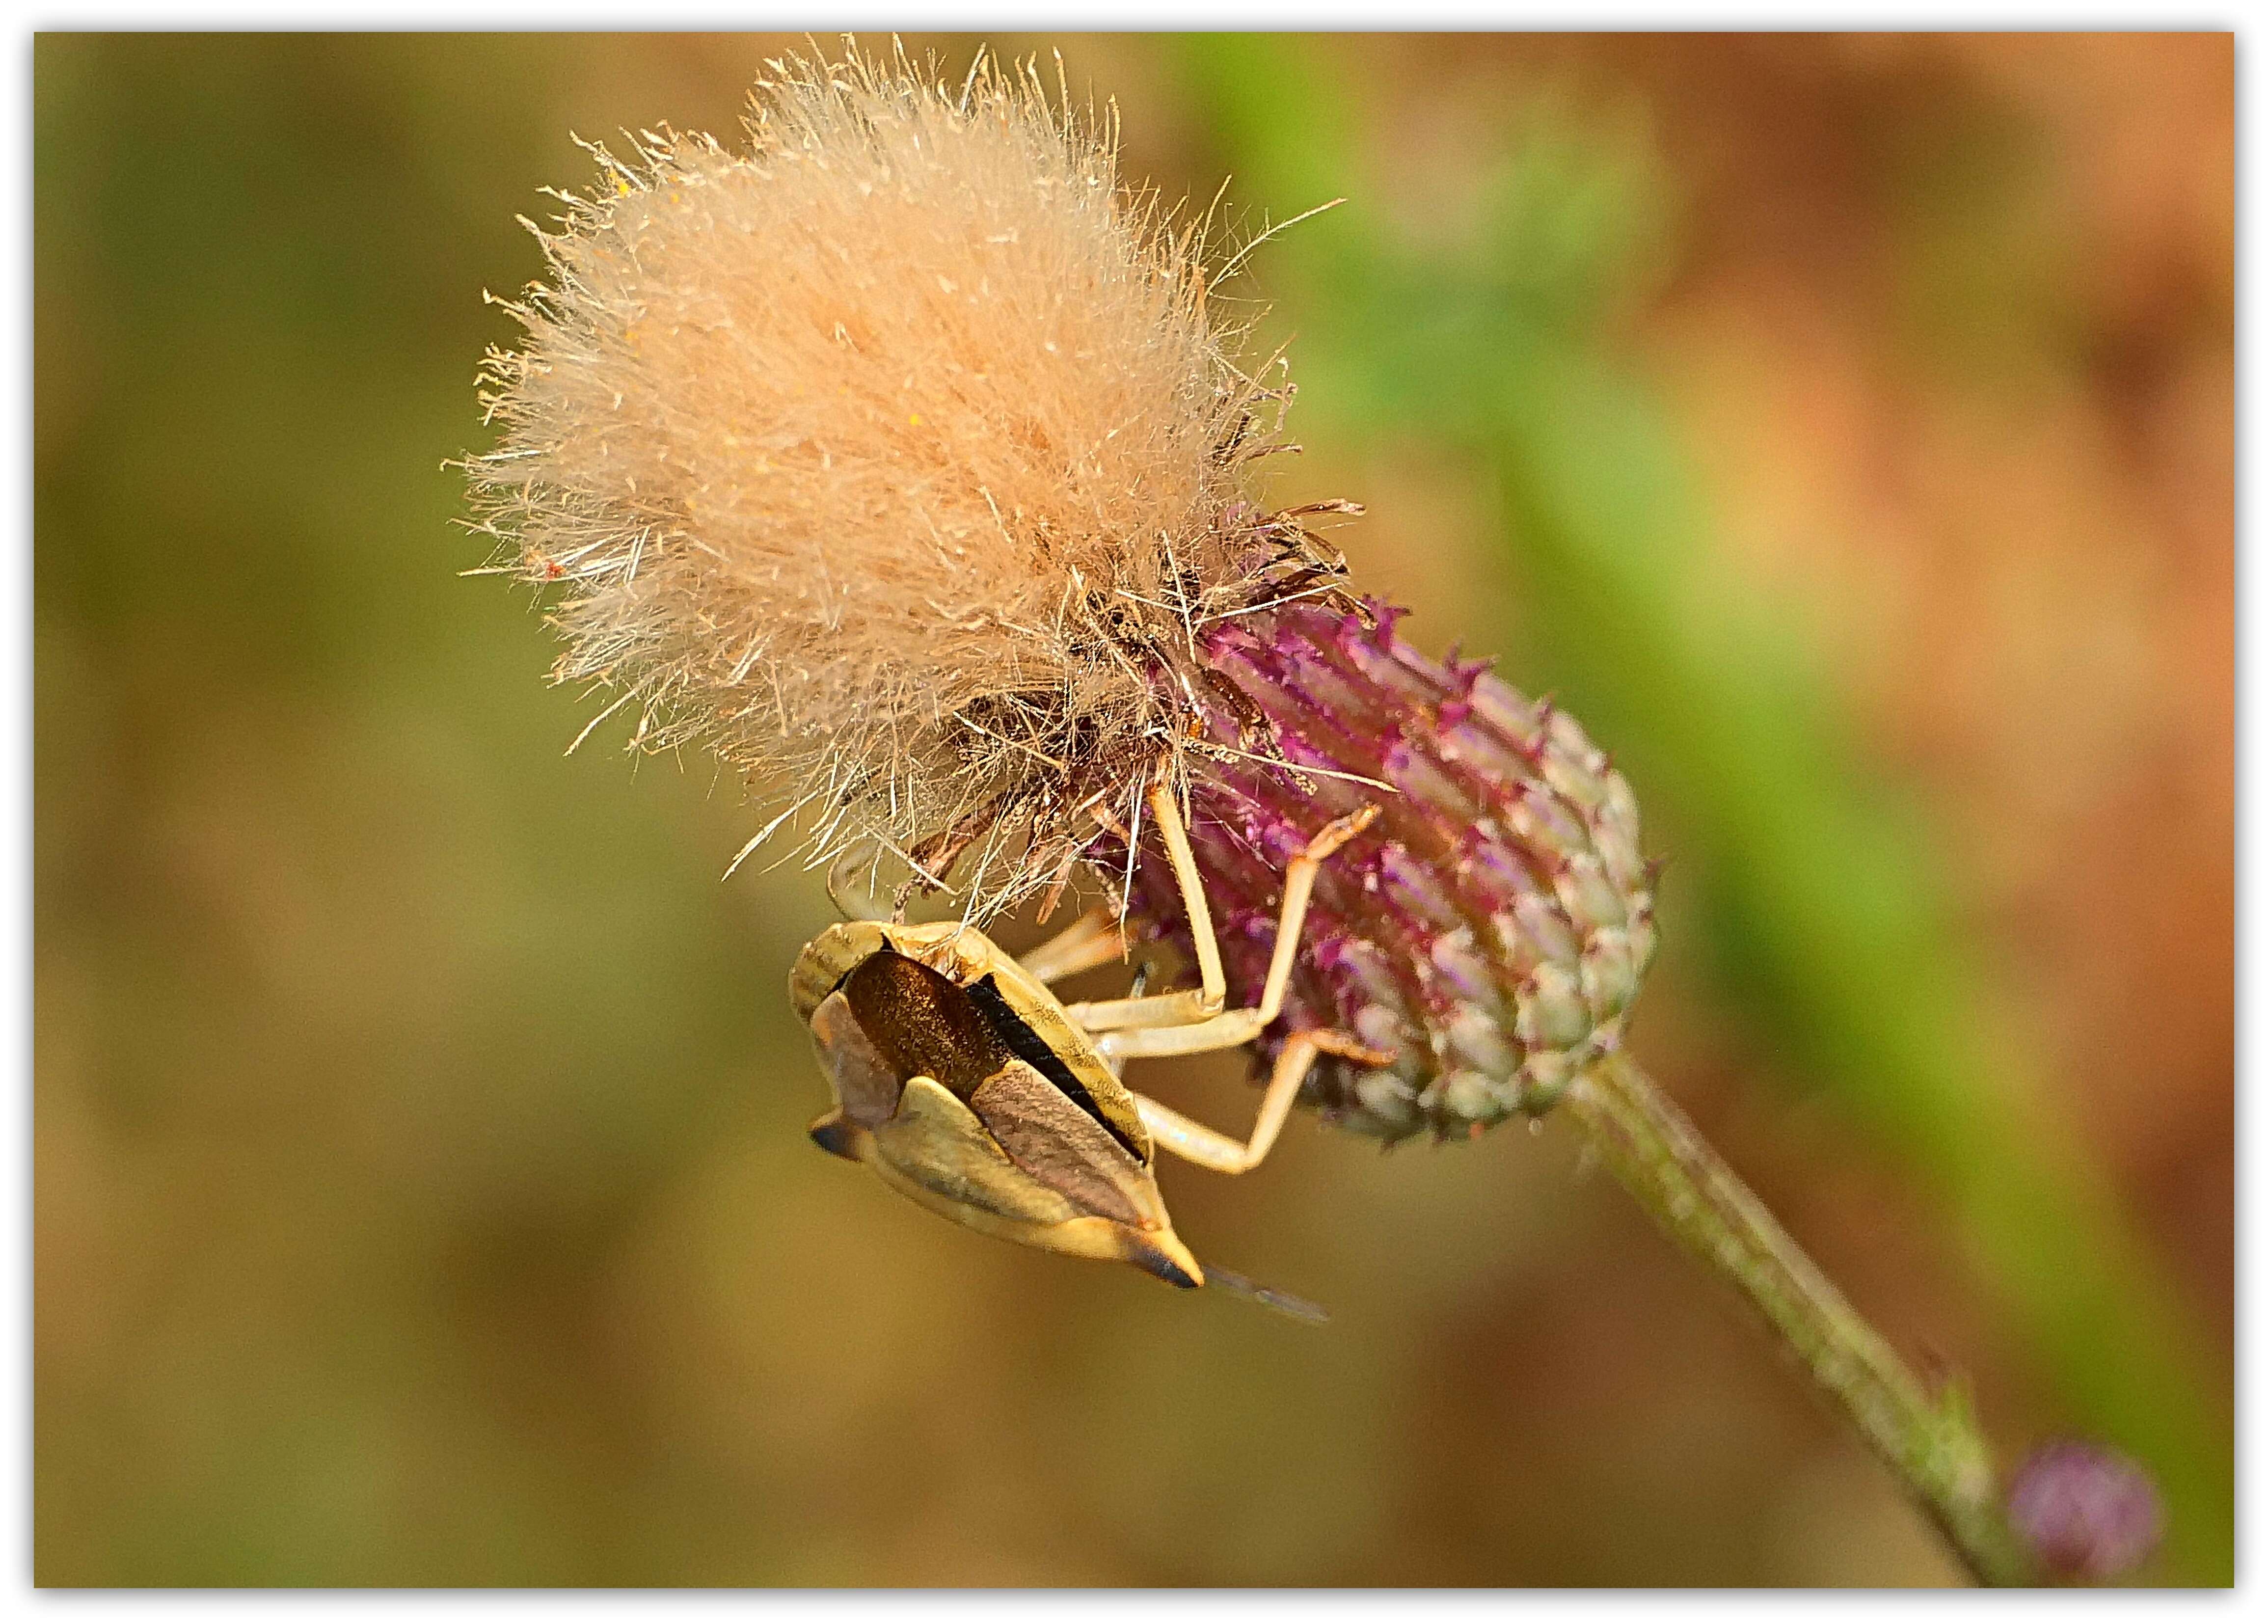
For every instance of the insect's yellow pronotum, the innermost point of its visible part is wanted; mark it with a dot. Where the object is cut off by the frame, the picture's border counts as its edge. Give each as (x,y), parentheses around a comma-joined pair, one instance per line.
(965,1084)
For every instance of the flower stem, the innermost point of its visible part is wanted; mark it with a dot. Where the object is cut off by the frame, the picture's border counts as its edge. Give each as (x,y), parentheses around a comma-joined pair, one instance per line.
(1931,1444)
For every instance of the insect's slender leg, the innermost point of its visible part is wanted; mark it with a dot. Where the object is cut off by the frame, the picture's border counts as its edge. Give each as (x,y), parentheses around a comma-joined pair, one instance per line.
(1089,942)
(1242,1026)
(1193,1142)
(1191,881)
(1194,1004)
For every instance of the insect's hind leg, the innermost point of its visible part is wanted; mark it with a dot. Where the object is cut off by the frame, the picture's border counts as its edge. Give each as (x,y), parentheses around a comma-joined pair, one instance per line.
(1193,1142)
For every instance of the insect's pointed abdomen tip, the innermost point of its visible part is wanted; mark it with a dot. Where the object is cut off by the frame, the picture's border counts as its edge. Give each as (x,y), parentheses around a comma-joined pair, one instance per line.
(1161,1253)
(836,1135)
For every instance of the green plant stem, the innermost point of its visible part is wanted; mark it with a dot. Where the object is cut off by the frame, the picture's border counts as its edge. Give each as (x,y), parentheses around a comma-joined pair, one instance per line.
(1931,1444)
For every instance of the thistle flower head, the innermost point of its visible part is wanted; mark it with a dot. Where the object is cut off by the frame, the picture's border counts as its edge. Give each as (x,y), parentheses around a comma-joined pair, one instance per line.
(1489,930)
(884,457)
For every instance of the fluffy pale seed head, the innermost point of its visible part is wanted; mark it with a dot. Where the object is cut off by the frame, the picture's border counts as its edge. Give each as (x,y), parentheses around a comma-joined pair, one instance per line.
(891,457)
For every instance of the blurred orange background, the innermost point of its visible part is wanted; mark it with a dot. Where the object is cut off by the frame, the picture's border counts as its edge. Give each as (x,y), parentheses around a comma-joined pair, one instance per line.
(1842,425)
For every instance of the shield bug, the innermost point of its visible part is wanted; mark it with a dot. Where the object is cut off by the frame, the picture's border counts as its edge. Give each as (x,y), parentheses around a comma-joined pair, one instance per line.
(965,1084)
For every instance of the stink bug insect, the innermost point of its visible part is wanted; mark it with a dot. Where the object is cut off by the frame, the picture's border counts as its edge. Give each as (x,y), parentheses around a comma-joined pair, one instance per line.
(966,1085)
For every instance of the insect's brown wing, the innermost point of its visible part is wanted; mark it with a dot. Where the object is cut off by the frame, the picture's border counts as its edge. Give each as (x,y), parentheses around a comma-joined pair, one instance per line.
(1064,1148)
(936,1143)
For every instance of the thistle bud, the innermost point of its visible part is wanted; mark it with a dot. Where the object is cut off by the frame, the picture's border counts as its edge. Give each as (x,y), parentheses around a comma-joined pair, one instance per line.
(2088,1514)
(1490,927)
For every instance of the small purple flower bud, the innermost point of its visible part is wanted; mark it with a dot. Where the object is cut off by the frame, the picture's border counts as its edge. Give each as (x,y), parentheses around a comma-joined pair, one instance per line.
(2089,1513)
(1491,928)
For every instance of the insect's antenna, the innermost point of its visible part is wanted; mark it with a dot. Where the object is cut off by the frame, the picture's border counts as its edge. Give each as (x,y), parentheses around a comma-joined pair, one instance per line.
(1251,1290)
(843,878)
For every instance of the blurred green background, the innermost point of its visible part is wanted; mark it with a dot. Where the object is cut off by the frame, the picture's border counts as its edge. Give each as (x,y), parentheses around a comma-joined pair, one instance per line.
(1842,426)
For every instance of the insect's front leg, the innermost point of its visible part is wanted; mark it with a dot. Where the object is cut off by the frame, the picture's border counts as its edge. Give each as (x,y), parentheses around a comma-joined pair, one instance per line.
(1197,1003)
(1132,1029)
(1177,1011)
(1092,941)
